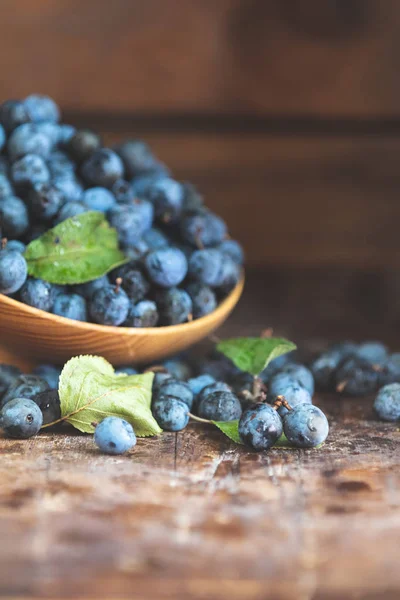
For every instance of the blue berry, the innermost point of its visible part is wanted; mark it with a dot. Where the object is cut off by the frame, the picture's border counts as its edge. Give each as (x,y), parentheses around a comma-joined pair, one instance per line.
(14,219)
(49,403)
(216,386)
(38,293)
(28,170)
(219,406)
(51,131)
(109,306)
(306,426)
(374,352)
(126,371)
(357,377)
(8,375)
(203,229)
(25,386)
(6,189)
(69,186)
(260,427)
(387,402)
(155,239)
(207,266)
(129,221)
(178,368)
(166,195)
(83,144)
(197,384)
(192,199)
(69,210)
(13,271)
(114,436)
(70,306)
(49,373)
(142,314)
(102,168)
(135,285)
(98,198)
(122,191)
(324,369)
(89,288)
(274,367)
(2,137)
(45,200)
(16,245)
(28,139)
(171,414)
(42,108)
(389,371)
(203,299)
(65,133)
(176,389)
(21,418)
(233,249)
(175,306)
(137,158)
(230,275)
(285,385)
(158,380)
(12,114)
(166,267)
(301,374)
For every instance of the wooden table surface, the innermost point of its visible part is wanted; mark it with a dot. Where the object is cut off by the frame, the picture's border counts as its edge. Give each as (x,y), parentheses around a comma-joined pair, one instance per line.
(192,516)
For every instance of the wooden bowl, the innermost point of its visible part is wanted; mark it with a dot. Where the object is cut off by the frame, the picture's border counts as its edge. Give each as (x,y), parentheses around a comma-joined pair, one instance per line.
(29,335)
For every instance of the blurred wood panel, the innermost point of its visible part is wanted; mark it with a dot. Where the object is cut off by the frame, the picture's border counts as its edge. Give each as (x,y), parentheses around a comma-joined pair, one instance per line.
(313,57)
(307,200)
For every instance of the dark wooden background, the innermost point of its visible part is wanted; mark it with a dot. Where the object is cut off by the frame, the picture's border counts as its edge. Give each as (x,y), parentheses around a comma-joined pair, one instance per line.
(284,112)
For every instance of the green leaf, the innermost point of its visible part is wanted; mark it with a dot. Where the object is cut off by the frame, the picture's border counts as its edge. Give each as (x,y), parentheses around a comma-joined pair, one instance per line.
(77,250)
(253,354)
(90,391)
(229,428)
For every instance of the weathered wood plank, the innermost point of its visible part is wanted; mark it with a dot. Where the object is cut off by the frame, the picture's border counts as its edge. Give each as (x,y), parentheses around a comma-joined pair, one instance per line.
(200,517)
(319,57)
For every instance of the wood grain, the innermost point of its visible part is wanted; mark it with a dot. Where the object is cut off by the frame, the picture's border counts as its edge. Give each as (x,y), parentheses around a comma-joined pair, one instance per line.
(36,334)
(277,57)
(191,516)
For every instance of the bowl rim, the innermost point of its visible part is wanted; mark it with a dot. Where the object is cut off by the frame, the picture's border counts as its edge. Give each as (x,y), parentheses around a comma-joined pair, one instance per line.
(226,305)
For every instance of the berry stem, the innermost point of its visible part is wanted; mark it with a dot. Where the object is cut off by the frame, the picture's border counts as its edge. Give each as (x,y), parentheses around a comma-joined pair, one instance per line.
(281,401)
(156,369)
(118,283)
(199,419)
(4,243)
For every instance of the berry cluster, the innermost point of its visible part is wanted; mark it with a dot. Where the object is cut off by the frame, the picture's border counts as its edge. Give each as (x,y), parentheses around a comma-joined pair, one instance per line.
(182,262)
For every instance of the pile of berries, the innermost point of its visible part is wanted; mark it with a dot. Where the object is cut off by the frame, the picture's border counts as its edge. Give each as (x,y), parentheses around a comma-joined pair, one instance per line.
(182,262)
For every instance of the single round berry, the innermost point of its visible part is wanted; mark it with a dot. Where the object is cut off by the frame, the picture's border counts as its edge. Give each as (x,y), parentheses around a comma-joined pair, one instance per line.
(21,418)
(178,368)
(192,199)
(41,108)
(45,200)
(387,402)
(137,158)
(122,191)
(28,139)
(12,114)
(70,187)
(171,414)
(357,377)
(49,373)
(203,299)
(203,229)
(166,267)
(88,289)
(28,170)
(374,352)
(142,314)
(109,306)
(176,389)
(82,144)
(13,271)
(233,249)
(98,198)
(49,403)
(159,378)
(70,306)
(16,245)
(102,168)
(306,426)
(6,189)
(219,406)
(135,284)
(38,293)
(128,220)
(14,219)
(175,306)
(216,386)
(155,239)
(25,386)
(166,195)
(260,426)
(114,436)
(206,266)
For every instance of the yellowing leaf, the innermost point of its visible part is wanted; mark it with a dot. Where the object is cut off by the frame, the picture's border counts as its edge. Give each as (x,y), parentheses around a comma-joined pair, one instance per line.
(90,391)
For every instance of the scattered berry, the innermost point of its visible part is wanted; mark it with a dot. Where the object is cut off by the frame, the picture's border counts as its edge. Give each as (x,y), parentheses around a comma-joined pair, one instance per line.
(114,436)
(306,426)
(21,418)
(387,402)
(260,426)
